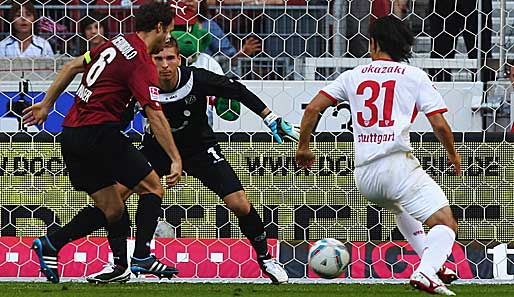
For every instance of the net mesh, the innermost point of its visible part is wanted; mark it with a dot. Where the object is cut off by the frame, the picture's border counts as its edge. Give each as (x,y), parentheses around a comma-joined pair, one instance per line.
(303,44)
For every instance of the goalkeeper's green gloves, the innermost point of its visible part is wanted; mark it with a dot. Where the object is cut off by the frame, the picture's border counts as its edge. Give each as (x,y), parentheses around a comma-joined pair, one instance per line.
(281,128)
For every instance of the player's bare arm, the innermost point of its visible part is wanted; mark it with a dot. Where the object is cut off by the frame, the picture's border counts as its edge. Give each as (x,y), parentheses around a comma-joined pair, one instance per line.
(444,134)
(304,155)
(162,131)
(37,113)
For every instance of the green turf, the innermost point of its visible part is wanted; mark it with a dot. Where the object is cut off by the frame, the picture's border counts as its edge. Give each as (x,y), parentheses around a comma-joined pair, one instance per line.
(213,290)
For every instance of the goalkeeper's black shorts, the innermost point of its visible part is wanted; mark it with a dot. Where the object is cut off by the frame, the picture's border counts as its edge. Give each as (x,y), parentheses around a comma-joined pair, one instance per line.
(208,165)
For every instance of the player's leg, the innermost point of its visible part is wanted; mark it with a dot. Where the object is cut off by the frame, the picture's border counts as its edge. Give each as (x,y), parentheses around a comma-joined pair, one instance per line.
(148,211)
(398,184)
(117,234)
(413,231)
(211,168)
(252,226)
(87,153)
(143,180)
(440,240)
(107,210)
(423,199)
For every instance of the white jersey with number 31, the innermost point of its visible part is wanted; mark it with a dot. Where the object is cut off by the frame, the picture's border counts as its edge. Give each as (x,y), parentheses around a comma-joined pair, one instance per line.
(384,97)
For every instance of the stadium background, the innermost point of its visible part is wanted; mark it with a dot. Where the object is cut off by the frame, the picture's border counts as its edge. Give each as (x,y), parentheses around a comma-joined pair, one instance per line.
(297,206)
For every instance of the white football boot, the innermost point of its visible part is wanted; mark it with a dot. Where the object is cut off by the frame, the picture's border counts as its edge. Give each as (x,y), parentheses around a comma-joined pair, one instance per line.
(431,284)
(274,270)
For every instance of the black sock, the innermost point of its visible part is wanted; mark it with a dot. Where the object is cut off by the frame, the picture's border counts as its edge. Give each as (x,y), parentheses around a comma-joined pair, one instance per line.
(86,221)
(148,212)
(117,236)
(252,227)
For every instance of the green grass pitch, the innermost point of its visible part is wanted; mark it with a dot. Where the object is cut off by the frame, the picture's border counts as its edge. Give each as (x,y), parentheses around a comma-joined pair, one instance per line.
(236,290)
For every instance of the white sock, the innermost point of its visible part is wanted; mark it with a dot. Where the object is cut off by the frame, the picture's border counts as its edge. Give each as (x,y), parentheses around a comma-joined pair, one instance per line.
(413,231)
(440,241)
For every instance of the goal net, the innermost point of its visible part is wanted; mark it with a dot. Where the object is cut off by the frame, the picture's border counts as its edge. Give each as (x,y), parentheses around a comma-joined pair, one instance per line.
(303,45)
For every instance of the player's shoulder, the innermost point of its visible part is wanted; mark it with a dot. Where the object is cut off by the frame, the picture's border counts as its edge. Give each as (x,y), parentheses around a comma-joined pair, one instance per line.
(131,48)
(188,75)
(199,73)
(416,74)
(414,70)
(343,78)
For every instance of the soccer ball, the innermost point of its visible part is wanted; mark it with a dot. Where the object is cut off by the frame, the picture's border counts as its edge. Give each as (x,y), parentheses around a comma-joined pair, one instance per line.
(328,258)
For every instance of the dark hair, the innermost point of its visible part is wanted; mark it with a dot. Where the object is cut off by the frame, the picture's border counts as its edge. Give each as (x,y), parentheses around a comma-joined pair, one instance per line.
(150,14)
(172,42)
(93,17)
(393,37)
(17,6)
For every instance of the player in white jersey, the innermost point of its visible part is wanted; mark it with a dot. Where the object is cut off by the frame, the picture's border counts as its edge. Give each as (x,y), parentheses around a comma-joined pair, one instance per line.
(385,97)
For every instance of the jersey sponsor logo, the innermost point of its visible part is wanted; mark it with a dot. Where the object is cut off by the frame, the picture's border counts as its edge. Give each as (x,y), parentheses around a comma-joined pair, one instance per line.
(384,69)
(375,138)
(190,99)
(154,93)
(124,47)
(84,93)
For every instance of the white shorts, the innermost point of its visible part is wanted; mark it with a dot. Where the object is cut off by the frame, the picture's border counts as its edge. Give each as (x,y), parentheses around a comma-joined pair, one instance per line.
(398,183)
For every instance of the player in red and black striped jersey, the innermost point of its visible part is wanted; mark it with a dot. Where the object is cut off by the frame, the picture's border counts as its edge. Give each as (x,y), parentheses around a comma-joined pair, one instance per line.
(183,96)
(100,159)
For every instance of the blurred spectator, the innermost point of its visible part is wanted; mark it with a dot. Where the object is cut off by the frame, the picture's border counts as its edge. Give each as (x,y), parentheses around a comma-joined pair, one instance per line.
(220,42)
(363,13)
(55,33)
(509,71)
(95,29)
(23,42)
(452,18)
(401,8)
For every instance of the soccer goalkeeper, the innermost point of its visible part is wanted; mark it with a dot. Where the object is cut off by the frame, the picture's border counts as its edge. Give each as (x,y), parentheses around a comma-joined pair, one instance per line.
(183,98)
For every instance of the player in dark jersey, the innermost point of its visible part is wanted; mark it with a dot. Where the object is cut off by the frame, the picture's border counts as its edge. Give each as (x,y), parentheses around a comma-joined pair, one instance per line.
(100,159)
(184,91)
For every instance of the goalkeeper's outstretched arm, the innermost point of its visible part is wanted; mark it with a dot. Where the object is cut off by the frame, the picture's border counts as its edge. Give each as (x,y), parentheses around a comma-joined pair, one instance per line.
(222,86)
